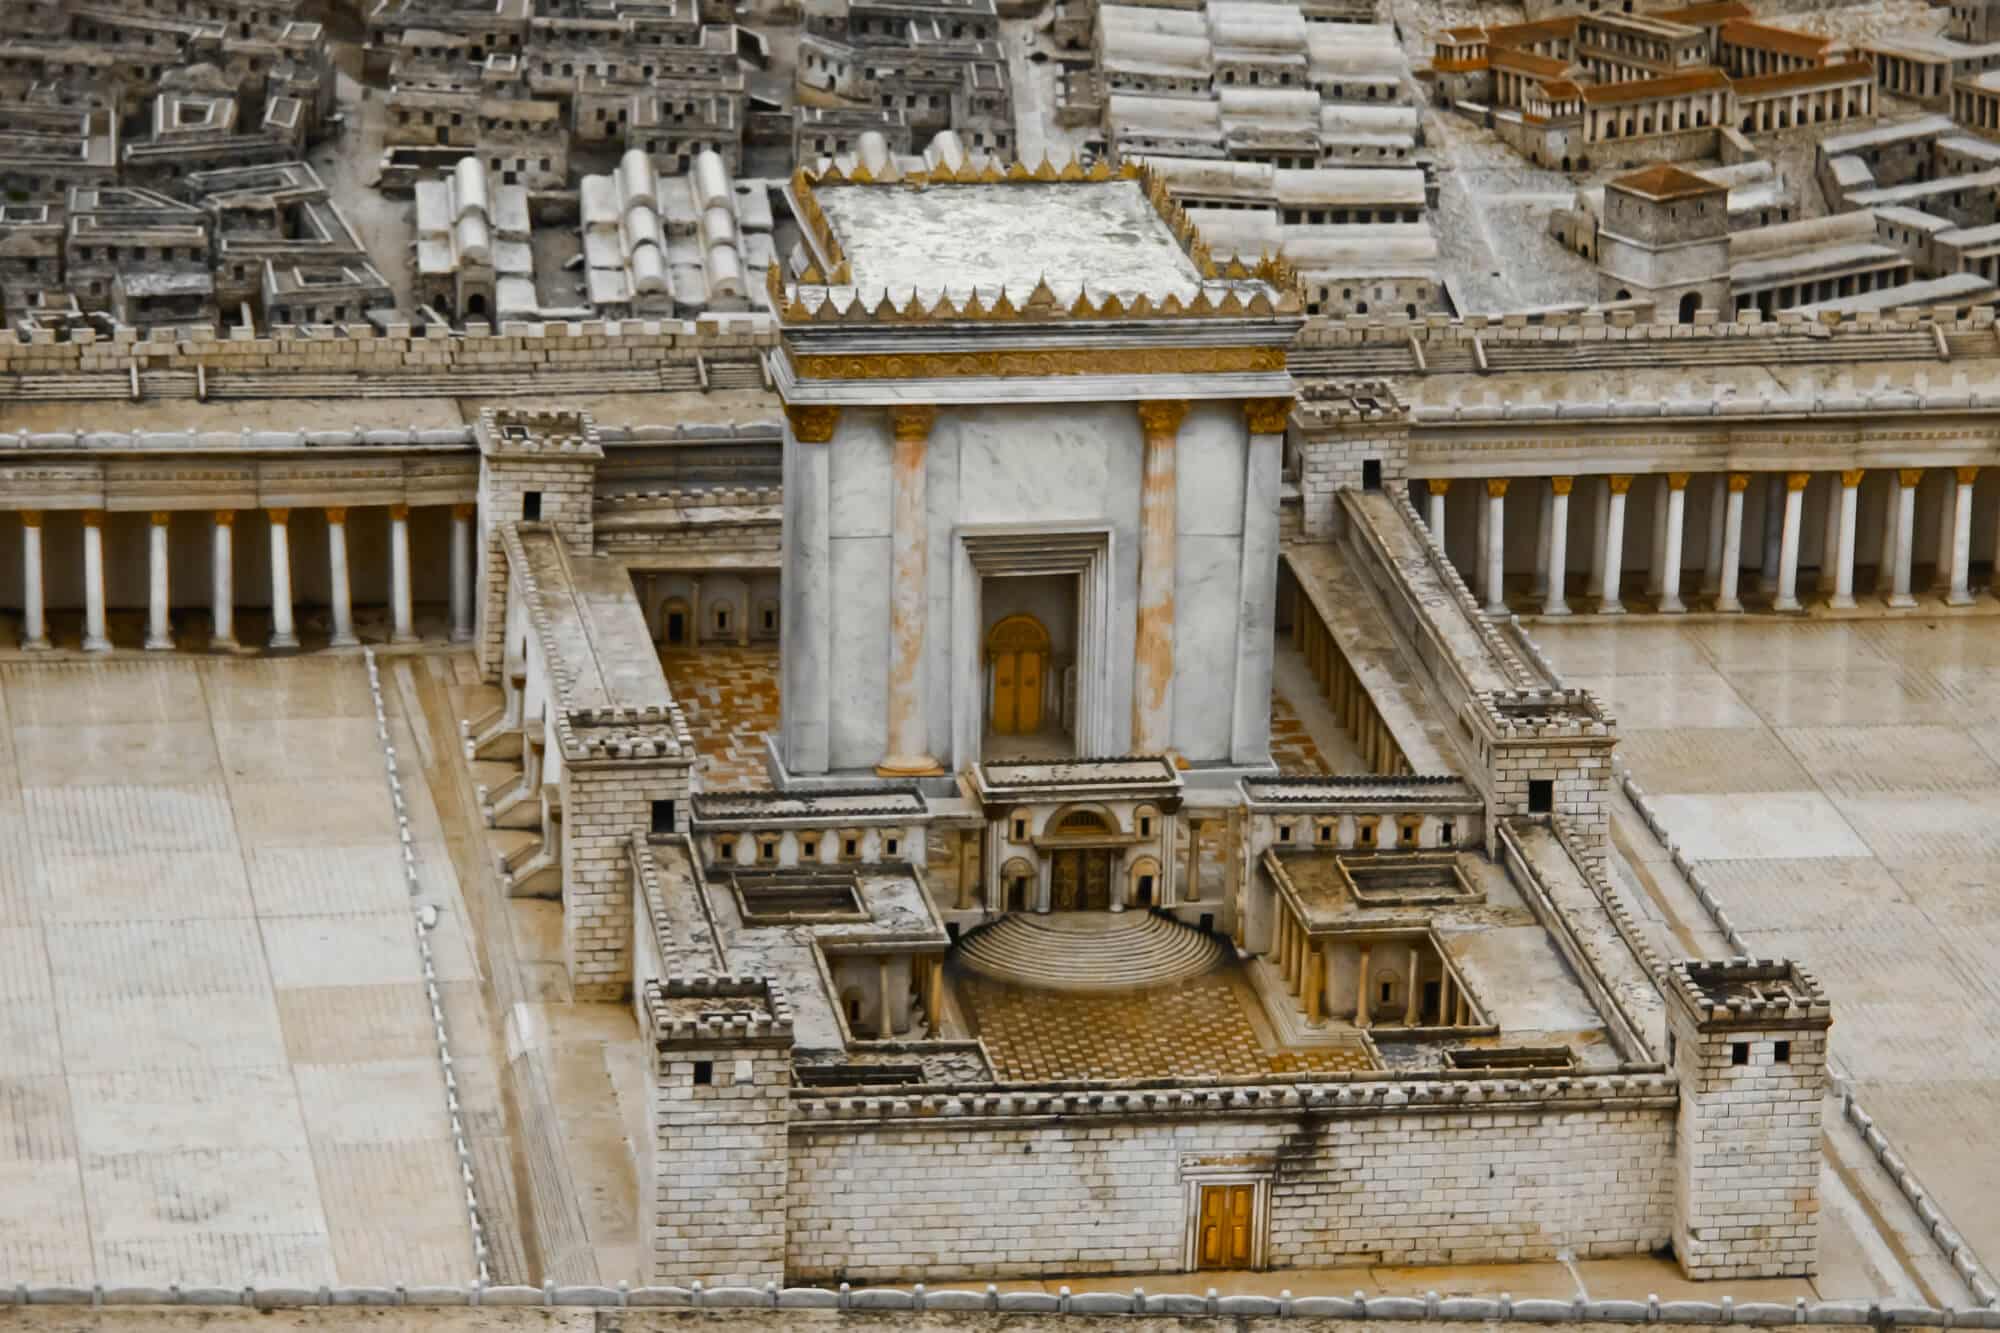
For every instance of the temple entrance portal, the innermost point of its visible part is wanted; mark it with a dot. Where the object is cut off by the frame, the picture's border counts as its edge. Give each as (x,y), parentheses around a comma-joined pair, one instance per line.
(1080,880)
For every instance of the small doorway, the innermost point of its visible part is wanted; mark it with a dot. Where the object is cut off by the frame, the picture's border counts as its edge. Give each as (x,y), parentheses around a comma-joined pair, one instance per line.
(674,623)
(1226,1233)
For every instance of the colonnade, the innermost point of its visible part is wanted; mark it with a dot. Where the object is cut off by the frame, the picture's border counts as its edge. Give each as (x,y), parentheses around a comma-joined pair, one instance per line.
(1306,963)
(222,593)
(1343,689)
(1721,569)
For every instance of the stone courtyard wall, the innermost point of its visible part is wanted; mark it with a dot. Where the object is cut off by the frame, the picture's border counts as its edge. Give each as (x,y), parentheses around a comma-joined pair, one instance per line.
(1521,1176)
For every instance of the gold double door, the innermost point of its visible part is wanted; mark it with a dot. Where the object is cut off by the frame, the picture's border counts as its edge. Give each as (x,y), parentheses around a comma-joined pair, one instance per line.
(1225,1235)
(1080,880)
(1018,647)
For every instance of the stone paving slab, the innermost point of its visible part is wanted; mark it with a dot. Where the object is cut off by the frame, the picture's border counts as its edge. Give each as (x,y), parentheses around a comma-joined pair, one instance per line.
(1881,874)
(219,1064)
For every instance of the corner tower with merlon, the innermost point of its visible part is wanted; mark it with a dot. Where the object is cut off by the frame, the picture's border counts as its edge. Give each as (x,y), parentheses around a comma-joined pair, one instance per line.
(1031,476)
(1747,1040)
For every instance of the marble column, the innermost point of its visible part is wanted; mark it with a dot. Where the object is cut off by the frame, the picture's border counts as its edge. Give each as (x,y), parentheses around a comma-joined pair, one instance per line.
(401,615)
(1438,486)
(1961,538)
(1153,655)
(1947,529)
(159,621)
(95,640)
(1594,582)
(909,594)
(1414,990)
(461,571)
(1544,507)
(1361,1019)
(1906,522)
(1788,541)
(1475,572)
(1553,602)
(1718,504)
(222,581)
(1496,544)
(1656,559)
(1732,543)
(283,633)
(342,591)
(1774,518)
(1829,549)
(34,615)
(1670,546)
(1885,568)
(1614,544)
(1843,560)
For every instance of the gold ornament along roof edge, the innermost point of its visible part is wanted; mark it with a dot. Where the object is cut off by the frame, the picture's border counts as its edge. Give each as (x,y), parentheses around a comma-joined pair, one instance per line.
(1042,303)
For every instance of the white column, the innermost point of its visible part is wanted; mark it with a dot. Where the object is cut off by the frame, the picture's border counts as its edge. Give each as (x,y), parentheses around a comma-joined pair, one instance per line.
(1601,505)
(1906,522)
(1718,500)
(34,618)
(1475,573)
(1885,568)
(283,633)
(1614,544)
(95,640)
(461,571)
(159,622)
(1947,528)
(1843,560)
(1829,549)
(909,593)
(1788,541)
(401,628)
(1656,557)
(1153,658)
(1670,546)
(222,581)
(1553,602)
(1496,544)
(1773,533)
(336,559)
(1732,543)
(1961,538)
(1437,487)
(1544,507)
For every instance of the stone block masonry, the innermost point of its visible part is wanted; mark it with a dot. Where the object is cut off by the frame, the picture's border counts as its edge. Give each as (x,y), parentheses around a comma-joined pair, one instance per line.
(602,804)
(1101,1192)
(536,467)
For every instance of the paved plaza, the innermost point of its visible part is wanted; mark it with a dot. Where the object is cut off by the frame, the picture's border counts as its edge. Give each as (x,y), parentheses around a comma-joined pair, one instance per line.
(1839,783)
(219,1059)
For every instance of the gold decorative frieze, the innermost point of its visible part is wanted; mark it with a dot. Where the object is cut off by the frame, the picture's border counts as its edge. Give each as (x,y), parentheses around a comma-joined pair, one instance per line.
(1036,364)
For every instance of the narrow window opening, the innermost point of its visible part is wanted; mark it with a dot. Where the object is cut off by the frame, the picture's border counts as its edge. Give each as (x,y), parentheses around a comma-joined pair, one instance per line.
(531,506)
(704,1072)
(663,816)
(1739,1053)
(1541,796)
(1371,474)
(1781,1052)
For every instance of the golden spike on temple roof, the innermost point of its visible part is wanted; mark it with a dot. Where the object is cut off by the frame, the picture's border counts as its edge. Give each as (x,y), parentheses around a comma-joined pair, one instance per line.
(1260,303)
(795,311)
(1018,171)
(1173,305)
(1141,307)
(833,175)
(861,175)
(1111,307)
(1082,307)
(1047,170)
(1201,305)
(1231,303)
(1235,271)
(990,174)
(1003,307)
(1071,171)
(1100,170)
(1042,300)
(812,276)
(1128,170)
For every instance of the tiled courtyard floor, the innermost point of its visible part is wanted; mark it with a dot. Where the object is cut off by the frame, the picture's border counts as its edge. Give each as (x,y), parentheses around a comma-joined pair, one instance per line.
(730,696)
(1195,1027)
(1839,783)
(216,1057)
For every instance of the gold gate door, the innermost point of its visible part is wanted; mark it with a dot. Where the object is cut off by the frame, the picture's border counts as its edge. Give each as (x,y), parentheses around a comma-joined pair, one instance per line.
(1018,647)
(1226,1227)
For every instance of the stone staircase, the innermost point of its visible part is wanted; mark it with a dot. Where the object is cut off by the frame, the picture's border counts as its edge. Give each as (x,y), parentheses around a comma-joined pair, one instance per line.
(1088,951)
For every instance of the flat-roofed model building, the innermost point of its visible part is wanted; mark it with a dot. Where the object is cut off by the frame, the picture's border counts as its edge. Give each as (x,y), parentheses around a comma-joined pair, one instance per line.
(1665,238)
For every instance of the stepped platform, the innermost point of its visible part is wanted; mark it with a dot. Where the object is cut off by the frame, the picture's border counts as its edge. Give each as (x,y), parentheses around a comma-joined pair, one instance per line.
(1088,951)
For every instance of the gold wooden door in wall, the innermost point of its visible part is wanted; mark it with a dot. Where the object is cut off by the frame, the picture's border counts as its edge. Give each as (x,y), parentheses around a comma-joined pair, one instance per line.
(1227,1226)
(1018,648)
(1096,881)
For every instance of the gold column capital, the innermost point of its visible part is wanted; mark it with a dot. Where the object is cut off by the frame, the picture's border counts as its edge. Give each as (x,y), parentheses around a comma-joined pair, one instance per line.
(225,518)
(1267,416)
(812,423)
(1739,482)
(31,518)
(93,518)
(162,517)
(336,513)
(1497,486)
(1619,483)
(1161,418)
(1967,475)
(1678,481)
(1852,477)
(465,511)
(912,422)
(1562,485)
(1796,481)
(401,513)
(1438,485)
(279,517)
(1909,476)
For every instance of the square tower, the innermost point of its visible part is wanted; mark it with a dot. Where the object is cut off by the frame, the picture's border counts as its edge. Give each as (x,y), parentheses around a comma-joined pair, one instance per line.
(535,466)
(1747,1040)
(1664,238)
(1031,476)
